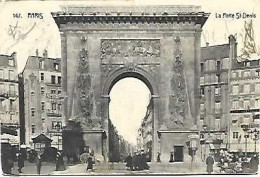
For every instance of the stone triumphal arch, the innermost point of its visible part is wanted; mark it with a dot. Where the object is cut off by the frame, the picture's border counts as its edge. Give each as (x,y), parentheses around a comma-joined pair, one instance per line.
(159,45)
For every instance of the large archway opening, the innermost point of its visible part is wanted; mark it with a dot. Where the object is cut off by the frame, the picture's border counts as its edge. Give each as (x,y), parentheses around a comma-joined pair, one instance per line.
(130,117)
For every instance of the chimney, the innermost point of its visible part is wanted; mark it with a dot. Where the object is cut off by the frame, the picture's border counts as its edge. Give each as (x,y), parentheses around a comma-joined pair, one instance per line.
(45,54)
(207,44)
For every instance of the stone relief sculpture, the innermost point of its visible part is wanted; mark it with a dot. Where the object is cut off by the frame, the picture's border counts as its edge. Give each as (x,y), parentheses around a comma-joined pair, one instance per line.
(84,93)
(178,100)
(119,48)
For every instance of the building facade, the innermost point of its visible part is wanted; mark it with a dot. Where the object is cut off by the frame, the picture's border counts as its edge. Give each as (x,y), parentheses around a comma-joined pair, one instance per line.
(214,90)
(9,98)
(41,80)
(145,137)
(245,106)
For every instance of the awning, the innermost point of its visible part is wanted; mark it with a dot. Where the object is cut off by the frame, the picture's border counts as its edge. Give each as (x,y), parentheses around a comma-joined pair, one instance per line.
(41,139)
(13,140)
(8,130)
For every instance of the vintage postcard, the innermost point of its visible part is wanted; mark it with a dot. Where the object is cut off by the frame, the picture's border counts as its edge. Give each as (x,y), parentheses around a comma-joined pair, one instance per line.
(128,87)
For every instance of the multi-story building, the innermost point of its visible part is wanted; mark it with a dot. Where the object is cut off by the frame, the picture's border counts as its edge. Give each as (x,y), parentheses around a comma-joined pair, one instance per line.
(41,79)
(245,106)
(214,106)
(9,102)
(145,136)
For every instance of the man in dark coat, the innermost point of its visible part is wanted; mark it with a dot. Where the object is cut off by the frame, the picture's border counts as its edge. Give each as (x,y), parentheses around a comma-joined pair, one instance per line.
(129,161)
(254,162)
(134,161)
(171,157)
(59,162)
(209,163)
(90,163)
(20,162)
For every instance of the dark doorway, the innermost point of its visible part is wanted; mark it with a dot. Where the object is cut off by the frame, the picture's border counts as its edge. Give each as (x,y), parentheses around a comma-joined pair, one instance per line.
(178,153)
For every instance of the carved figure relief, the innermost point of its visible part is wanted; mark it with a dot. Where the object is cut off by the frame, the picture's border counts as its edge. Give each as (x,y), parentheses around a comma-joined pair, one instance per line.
(84,90)
(119,48)
(178,100)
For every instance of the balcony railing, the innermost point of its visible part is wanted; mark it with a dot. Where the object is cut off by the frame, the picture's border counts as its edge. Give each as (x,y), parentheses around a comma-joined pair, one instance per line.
(54,113)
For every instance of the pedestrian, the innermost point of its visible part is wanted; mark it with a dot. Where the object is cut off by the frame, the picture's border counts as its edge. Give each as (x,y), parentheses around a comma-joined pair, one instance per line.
(38,163)
(129,162)
(254,162)
(20,162)
(90,163)
(209,163)
(59,162)
(171,157)
(158,157)
(134,161)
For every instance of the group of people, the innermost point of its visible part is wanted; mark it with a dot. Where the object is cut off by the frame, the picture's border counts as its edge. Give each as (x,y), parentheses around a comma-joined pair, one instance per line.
(137,162)
(233,163)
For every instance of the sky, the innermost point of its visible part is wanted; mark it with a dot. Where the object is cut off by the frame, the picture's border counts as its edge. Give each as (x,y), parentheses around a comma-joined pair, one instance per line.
(43,34)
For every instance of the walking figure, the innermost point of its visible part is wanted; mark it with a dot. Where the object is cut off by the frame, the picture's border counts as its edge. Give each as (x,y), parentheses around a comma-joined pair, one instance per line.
(129,162)
(90,163)
(158,157)
(20,162)
(38,164)
(209,163)
(171,157)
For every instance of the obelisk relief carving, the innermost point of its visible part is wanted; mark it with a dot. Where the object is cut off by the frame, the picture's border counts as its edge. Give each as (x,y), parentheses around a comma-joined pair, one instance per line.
(178,100)
(83,92)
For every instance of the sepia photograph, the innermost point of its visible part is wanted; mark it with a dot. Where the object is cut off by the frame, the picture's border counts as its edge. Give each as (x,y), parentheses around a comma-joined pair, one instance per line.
(129,87)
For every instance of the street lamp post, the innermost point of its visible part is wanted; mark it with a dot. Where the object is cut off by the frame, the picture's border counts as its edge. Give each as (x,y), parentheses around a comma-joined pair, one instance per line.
(255,133)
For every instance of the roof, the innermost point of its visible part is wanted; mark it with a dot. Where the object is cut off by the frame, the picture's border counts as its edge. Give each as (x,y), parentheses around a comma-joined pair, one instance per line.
(215,52)
(4,60)
(41,139)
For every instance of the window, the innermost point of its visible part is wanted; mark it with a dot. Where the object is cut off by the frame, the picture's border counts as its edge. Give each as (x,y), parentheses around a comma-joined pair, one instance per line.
(257,87)
(257,72)
(252,87)
(217,123)
(12,105)
(11,74)
(56,125)
(1,74)
(202,107)
(11,89)
(246,104)
(217,107)
(247,74)
(41,64)
(257,103)
(11,62)
(42,90)
(32,112)
(53,79)
(234,75)
(201,67)
(59,92)
(59,80)
(218,65)
(235,135)
(53,106)
(246,88)
(42,76)
(53,92)
(56,66)
(247,63)
(202,80)
(59,107)
(218,77)
(217,90)
(202,91)
(1,87)
(43,106)
(235,104)
(235,89)
(33,129)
